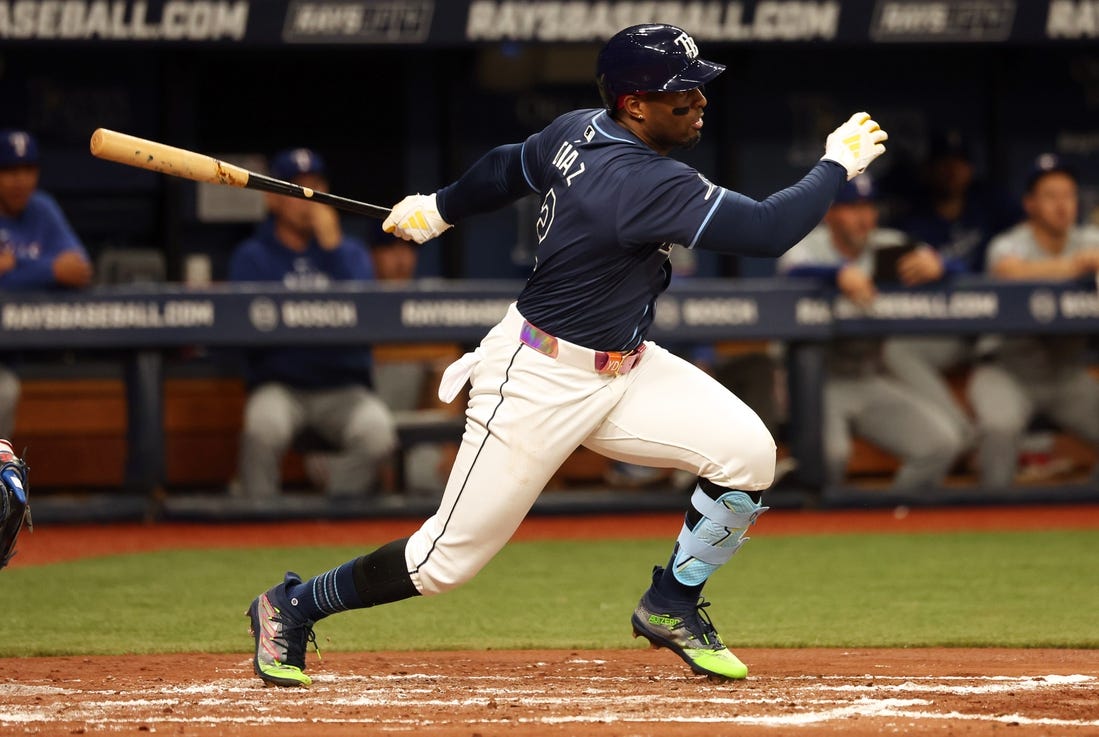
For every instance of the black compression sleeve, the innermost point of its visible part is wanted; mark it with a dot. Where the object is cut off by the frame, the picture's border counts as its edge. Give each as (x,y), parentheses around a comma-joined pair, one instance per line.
(769,228)
(382,576)
(494,181)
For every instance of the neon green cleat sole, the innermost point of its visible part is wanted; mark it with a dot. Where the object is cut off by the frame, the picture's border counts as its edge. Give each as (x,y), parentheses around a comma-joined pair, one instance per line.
(281,675)
(704,652)
(271,635)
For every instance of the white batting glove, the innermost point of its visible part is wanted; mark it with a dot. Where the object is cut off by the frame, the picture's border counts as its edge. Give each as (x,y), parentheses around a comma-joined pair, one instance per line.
(855,144)
(416,218)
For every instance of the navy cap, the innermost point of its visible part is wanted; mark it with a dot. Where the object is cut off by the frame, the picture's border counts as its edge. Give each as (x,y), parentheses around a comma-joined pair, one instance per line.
(1047,164)
(859,189)
(295,162)
(17,148)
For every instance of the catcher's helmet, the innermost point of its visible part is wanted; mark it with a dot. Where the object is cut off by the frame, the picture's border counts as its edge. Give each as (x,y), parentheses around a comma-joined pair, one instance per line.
(650,58)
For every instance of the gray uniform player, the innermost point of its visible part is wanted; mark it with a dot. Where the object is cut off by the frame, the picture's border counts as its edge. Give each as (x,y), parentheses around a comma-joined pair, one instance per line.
(569,364)
(860,397)
(1025,376)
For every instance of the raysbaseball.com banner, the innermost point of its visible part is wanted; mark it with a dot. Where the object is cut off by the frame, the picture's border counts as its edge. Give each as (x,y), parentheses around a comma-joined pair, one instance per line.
(463,22)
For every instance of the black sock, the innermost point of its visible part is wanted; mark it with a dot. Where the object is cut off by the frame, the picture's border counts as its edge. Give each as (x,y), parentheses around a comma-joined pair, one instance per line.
(382,576)
(667,586)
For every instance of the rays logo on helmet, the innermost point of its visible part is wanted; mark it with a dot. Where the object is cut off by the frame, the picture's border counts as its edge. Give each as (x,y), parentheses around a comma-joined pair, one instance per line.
(690,48)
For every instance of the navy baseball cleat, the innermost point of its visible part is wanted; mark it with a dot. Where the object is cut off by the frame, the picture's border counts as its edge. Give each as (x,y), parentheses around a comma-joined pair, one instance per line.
(687,631)
(280,636)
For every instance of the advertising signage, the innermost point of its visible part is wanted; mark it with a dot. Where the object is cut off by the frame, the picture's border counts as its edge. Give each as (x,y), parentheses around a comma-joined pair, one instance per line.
(472,22)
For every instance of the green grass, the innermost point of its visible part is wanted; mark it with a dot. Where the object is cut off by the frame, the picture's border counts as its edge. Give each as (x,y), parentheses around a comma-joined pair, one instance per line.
(1023,589)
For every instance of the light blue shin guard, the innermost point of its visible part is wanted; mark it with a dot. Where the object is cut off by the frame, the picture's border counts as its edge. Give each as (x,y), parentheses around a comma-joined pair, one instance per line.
(716,537)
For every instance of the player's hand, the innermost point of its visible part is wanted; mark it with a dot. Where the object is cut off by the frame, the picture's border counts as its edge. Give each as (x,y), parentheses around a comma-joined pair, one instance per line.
(416,218)
(921,266)
(70,269)
(856,285)
(7,260)
(326,226)
(855,144)
(1086,261)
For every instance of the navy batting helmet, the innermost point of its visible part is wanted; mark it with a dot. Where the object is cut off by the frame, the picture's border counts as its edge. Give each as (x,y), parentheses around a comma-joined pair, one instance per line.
(653,57)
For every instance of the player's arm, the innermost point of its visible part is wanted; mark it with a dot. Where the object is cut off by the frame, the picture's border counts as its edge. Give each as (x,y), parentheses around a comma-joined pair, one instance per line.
(64,262)
(1009,258)
(1069,266)
(770,227)
(496,179)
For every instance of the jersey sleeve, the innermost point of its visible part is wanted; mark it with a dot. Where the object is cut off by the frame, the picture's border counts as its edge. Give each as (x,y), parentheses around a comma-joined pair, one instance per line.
(56,237)
(492,182)
(769,227)
(1003,246)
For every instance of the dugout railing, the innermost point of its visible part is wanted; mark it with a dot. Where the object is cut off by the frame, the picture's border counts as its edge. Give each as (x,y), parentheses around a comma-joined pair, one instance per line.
(141,325)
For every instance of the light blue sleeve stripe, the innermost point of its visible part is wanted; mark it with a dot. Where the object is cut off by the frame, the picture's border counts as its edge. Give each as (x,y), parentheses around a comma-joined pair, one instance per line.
(602,132)
(709,216)
(523,164)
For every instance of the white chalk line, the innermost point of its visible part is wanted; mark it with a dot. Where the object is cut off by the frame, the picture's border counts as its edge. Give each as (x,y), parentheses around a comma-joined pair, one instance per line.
(388,691)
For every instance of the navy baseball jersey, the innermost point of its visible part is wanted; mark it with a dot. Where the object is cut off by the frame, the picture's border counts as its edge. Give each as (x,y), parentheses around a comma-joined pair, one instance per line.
(264,258)
(611,209)
(37,236)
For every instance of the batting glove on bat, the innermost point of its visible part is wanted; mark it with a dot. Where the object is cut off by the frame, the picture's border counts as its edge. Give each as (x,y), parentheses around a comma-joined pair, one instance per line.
(855,144)
(416,218)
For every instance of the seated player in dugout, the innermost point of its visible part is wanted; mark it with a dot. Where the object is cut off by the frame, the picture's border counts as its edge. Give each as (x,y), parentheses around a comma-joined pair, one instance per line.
(860,396)
(956,214)
(569,364)
(38,248)
(327,389)
(1020,377)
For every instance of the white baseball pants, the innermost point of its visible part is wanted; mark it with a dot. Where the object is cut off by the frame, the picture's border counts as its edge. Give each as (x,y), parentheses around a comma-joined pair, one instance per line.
(527,413)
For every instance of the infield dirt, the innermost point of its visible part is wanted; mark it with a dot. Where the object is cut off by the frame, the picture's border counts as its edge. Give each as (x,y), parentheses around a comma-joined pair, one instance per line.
(632,692)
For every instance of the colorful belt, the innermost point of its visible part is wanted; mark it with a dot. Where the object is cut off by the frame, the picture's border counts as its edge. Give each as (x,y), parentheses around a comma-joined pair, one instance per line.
(602,362)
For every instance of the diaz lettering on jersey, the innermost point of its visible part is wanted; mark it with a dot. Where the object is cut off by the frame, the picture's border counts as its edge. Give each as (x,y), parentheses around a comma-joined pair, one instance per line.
(564,160)
(122,20)
(766,20)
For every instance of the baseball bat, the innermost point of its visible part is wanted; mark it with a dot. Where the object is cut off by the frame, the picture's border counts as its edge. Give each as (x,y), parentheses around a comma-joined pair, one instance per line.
(142,153)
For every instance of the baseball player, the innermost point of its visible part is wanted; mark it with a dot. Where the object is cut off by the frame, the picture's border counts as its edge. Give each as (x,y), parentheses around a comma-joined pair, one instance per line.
(569,364)
(328,389)
(860,395)
(1025,375)
(38,247)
